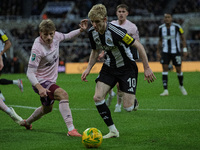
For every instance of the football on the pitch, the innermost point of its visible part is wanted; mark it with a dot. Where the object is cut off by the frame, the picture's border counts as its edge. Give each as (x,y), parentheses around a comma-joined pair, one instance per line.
(92,138)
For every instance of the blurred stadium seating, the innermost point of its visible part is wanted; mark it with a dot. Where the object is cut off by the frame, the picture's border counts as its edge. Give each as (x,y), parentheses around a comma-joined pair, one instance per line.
(20,19)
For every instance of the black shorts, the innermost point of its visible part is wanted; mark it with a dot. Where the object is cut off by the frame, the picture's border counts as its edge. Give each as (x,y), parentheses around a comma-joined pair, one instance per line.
(125,76)
(166,57)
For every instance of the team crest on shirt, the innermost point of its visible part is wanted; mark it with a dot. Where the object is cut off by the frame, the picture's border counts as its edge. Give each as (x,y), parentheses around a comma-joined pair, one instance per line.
(33,57)
(109,41)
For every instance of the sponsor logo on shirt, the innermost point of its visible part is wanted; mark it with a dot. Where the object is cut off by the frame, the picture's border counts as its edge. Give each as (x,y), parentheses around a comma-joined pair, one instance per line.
(169,37)
(51,63)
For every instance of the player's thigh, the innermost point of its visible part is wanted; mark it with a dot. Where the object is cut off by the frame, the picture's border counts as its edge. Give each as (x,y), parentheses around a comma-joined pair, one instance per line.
(60,94)
(165,59)
(101,90)
(128,100)
(176,59)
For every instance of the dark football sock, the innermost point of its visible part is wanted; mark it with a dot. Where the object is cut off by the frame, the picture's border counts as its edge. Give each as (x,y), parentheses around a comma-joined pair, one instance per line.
(105,113)
(5,81)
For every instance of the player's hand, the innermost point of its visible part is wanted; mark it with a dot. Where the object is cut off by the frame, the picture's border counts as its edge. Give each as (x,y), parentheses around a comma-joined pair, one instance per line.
(148,75)
(42,91)
(1,63)
(101,55)
(84,75)
(83,25)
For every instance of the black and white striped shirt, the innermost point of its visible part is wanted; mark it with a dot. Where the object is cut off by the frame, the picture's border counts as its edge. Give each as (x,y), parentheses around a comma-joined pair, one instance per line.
(116,44)
(170,38)
(3,39)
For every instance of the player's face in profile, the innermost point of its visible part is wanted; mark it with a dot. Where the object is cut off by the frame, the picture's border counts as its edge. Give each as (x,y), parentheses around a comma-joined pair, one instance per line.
(47,36)
(167,18)
(121,13)
(99,24)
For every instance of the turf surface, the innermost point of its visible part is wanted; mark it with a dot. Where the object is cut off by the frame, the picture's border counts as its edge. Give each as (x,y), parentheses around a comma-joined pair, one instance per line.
(161,123)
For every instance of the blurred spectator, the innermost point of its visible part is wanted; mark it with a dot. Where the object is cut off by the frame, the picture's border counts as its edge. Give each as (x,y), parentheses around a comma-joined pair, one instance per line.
(187,6)
(16,64)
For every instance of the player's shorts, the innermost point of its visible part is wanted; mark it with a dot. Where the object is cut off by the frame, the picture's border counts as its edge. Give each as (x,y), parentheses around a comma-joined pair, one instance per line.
(49,100)
(166,57)
(126,76)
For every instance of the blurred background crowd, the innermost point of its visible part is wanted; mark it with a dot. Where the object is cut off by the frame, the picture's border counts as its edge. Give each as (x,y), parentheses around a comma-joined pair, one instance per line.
(20,19)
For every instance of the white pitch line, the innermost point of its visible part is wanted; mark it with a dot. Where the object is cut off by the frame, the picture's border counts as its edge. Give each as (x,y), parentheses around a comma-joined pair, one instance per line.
(29,107)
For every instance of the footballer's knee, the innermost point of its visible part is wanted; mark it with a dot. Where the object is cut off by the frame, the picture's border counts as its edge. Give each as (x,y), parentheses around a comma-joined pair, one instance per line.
(61,94)
(97,98)
(132,107)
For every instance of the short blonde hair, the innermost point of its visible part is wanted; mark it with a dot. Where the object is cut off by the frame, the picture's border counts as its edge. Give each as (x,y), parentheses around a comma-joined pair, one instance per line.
(98,11)
(47,25)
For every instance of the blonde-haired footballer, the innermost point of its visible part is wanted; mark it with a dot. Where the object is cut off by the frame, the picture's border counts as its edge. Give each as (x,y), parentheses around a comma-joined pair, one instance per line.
(119,65)
(43,72)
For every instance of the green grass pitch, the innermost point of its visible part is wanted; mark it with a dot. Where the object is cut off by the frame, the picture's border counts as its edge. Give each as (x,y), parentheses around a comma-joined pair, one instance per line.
(161,123)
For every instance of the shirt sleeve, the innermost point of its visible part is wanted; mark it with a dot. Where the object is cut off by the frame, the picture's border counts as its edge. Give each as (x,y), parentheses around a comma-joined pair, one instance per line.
(33,65)
(72,34)
(180,29)
(124,37)
(4,37)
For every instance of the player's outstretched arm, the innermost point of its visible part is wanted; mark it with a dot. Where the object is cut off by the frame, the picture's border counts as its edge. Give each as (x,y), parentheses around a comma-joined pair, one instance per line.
(148,73)
(92,60)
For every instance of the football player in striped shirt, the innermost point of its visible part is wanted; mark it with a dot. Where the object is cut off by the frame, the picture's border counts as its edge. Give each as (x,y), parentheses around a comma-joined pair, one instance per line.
(5,45)
(170,36)
(122,13)
(119,65)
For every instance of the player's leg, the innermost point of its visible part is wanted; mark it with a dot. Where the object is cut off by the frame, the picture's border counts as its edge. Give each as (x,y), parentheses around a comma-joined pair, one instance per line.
(111,95)
(119,99)
(65,111)
(130,102)
(180,74)
(16,82)
(165,80)
(10,111)
(47,105)
(128,85)
(99,98)
(165,63)
(2,97)
(37,114)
